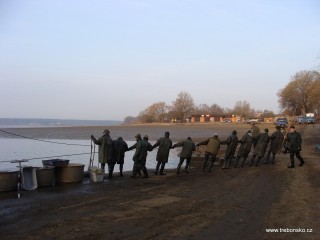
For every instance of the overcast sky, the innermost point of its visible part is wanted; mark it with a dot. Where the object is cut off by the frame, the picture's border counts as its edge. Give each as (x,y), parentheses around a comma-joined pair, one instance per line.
(108,59)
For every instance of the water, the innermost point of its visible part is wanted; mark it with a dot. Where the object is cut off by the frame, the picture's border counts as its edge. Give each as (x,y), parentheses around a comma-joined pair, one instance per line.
(18,149)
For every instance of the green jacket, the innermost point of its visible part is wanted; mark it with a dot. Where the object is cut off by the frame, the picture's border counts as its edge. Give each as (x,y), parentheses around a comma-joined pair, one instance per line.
(141,152)
(105,148)
(165,144)
(295,141)
(262,143)
(213,145)
(187,147)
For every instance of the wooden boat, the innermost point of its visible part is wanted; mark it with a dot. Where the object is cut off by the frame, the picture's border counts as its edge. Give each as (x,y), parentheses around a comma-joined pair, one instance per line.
(8,180)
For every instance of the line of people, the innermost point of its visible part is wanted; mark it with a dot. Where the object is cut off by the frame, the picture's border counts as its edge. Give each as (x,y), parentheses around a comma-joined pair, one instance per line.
(113,152)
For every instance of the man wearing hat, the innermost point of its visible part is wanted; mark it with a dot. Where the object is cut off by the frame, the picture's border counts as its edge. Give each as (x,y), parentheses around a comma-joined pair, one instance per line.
(276,141)
(186,153)
(140,157)
(213,146)
(164,144)
(105,150)
(295,141)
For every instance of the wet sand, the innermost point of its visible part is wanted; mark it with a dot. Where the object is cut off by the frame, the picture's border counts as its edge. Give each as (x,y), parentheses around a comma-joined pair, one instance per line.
(239,203)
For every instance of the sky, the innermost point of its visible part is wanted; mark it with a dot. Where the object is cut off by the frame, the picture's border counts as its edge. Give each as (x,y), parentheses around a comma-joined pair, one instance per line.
(107,59)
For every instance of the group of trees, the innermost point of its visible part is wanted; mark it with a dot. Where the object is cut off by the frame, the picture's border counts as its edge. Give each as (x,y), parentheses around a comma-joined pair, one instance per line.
(183,107)
(301,95)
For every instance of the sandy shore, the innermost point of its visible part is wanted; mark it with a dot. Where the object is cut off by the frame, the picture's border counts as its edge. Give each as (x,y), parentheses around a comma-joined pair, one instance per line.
(241,203)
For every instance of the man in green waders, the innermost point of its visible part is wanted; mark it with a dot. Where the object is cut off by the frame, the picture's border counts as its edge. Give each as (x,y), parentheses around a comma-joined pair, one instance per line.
(105,151)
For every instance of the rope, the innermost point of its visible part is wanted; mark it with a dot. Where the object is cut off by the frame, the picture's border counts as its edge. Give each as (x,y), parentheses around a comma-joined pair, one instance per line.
(28,159)
(41,140)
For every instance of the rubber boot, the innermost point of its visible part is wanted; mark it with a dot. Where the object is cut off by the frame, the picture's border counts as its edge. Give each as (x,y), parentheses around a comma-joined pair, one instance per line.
(273,158)
(237,160)
(205,162)
(157,168)
(110,169)
(178,168)
(121,168)
(211,165)
(243,162)
(252,160)
(257,163)
(292,164)
(162,169)
(145,172)
(229,163)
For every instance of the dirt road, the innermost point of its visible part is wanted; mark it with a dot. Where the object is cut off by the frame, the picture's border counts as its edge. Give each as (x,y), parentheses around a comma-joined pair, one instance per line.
(240,203)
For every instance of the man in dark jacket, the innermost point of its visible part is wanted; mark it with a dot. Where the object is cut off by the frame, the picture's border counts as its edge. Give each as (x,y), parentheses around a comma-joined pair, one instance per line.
(295,141)
(105,151)
(186,153)
(213,146)
(139,157)
(245,148)
(119,149)
(261,146)
(149,148)
(232,143)
(276,141)
(164,144)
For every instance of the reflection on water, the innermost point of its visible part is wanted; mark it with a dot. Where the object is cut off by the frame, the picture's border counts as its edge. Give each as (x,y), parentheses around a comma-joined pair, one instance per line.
(17,149)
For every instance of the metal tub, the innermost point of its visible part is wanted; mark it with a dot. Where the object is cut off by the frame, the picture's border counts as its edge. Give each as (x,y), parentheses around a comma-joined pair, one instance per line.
(45,176)
(29,178)
(73,172)
(8,180)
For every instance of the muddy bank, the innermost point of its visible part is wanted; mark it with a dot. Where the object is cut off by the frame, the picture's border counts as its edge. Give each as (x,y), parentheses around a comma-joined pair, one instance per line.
(241,203)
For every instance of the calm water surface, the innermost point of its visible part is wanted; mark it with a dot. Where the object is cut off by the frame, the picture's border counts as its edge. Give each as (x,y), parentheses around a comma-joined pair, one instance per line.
(18,149)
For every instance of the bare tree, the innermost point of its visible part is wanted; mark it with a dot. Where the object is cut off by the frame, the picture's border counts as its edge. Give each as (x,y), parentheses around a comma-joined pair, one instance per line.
(242,108)
(295,98)
(183,106)
(157,112)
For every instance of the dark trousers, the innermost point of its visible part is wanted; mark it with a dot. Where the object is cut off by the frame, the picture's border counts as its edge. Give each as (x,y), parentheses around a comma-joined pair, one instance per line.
(188,160)
(206,164)
(297,153)
(163,164)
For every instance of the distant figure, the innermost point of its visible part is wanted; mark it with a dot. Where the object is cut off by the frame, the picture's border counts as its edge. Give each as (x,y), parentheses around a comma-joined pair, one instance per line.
(186,153)
(139,157)
(276,141)
(232,143)
(105,151)
(119,149)
(213,146)
(245,148)
(164,144)
(261,147)
(295,141)
(255,134)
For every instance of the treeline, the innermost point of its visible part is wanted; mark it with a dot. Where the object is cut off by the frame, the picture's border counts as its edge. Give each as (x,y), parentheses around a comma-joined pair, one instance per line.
(299,96)
(183,107)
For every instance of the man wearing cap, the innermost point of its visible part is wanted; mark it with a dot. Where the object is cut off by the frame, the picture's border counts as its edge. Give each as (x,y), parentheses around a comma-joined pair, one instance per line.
(164,144)
(295,141)
(261,147)
(143,164)
(276,141)
(245,148)
(232,143)
(139,157)
(105,151)
(213,146)
(186,153)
